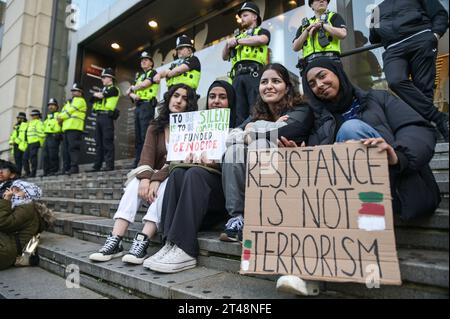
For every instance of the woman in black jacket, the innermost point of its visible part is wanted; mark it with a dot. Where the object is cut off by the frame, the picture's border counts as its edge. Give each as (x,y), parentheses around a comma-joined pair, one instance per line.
(345,112)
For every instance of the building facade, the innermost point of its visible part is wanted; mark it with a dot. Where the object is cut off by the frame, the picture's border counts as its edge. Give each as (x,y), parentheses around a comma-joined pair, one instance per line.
(48,44)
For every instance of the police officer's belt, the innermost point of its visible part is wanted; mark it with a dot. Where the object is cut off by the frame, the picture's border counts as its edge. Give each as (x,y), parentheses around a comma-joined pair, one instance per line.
(104,112)
(247,68)
(140,102)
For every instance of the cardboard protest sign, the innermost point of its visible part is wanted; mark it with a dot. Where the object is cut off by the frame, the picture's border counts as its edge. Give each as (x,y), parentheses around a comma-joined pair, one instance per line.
(198,132)
(322,213)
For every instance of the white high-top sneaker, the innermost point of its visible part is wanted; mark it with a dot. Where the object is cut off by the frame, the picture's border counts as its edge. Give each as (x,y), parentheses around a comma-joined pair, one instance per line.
(164,250)
(297,286)
(175,260)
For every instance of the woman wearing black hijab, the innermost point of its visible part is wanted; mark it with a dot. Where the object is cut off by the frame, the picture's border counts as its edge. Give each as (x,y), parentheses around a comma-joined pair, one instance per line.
(345,112)
(193,200)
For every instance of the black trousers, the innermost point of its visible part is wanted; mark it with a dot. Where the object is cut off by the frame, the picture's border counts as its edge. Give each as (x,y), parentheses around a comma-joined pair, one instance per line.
(30,157)
(415,57)
(247,91)
(18,158)
(104,139)
(72,149)
(144,113)
(50,153)
(193,200)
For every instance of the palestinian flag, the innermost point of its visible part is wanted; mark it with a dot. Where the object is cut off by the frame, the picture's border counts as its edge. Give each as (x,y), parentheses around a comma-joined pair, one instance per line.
(372,213)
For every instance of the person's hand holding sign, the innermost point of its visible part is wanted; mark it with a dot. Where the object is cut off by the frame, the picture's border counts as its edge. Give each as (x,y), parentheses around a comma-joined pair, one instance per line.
(284,142)
(382,146)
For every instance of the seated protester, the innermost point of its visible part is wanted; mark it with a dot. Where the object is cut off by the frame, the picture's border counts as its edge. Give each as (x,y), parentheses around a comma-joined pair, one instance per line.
(345,112)
(280,111)
(149,182)
(20,220)
(193,200)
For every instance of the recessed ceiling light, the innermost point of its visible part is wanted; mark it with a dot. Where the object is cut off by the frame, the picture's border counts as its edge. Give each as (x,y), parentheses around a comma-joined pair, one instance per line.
(153,24)
(115,46)
(293,3)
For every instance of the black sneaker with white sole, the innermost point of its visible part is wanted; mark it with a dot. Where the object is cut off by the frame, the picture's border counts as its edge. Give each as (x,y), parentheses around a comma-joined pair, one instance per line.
(111,249)
(138,250)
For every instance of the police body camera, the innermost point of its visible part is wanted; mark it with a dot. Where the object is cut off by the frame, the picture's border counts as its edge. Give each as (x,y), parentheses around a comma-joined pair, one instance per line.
(324,41)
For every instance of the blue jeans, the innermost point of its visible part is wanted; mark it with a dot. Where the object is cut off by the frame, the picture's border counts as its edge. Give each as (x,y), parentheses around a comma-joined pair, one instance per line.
(355,130)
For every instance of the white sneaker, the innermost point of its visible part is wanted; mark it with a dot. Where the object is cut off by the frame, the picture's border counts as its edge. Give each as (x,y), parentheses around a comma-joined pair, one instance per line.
(175,260)
(163,251)
(297,286)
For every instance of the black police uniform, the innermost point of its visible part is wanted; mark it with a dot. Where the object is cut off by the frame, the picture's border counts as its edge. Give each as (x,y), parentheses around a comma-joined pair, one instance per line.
(406,30)
(104,133)
(143,115)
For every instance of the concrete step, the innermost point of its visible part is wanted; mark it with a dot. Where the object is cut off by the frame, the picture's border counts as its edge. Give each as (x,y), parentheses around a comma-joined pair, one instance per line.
(440,162)
(411,237)
(15,283)
(106,193)
(84,193)
(197,283)
(122,173)
(441,148)
(418,266)
(116,183)
(439,220)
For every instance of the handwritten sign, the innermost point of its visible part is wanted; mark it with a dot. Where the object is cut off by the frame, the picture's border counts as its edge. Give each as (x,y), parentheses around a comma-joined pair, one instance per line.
(198,132)
(322,213)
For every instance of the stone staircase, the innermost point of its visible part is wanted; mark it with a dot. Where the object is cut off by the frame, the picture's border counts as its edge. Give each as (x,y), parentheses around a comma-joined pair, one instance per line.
(86,202)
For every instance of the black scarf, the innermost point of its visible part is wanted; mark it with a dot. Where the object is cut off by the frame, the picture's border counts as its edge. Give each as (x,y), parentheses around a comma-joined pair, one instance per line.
(346,88)
(231,98)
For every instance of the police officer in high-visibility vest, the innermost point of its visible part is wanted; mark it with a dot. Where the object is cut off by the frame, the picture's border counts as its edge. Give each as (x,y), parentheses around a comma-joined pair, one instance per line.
(187,69)
(15,140)
(35,140)
(321,35)
(105,108)
(249,52)
(53,137)
(143,93)
(72,118)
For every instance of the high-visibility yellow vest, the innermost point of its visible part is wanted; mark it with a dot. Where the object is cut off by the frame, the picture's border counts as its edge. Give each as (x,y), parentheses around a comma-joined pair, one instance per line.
(248,53)
(150,92)
(313,46)
(107,104)
(35,132)
(73,114)
(22,137)
(51,125)
(13,139)
(190,78)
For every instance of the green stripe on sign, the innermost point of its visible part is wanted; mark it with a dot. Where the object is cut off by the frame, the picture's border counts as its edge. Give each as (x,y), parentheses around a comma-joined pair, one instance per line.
(371,197)
(248,244)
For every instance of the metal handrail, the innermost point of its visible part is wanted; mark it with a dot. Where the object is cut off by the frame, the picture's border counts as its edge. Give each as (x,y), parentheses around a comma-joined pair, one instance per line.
(361,49)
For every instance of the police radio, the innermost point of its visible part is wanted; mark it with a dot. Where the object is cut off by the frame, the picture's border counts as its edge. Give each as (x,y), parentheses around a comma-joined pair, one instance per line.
(305,24)
(233,51)
(322,36)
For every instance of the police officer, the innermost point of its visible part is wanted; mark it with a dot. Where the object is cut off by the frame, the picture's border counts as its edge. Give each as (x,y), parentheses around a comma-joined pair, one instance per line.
(52,130)
(72,118)
(320,35)
(249,52)
(409,30)
(187,69)
(143,93)
(15,140)
(35,139)
(105,108)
